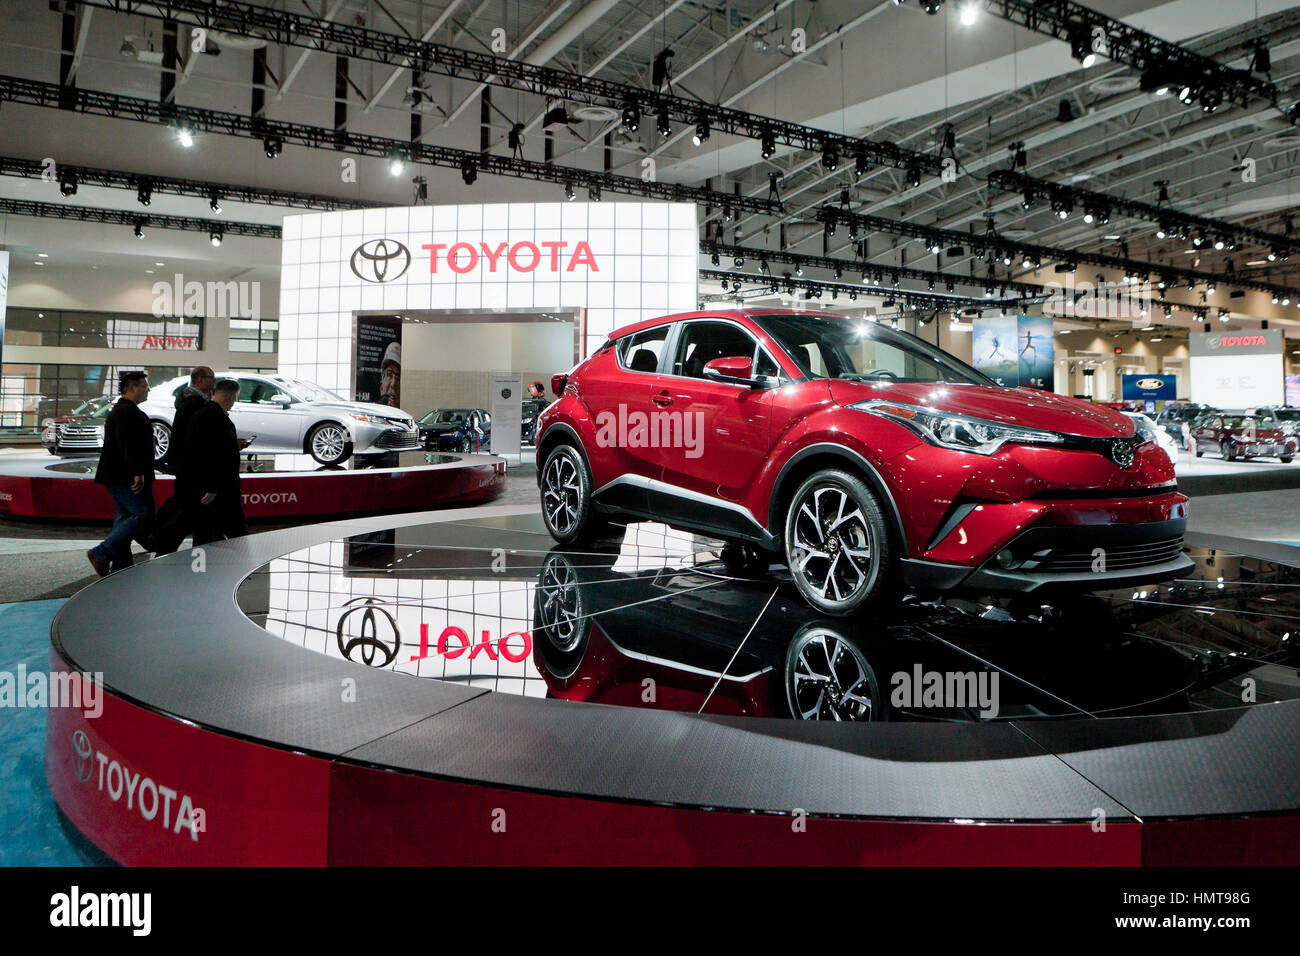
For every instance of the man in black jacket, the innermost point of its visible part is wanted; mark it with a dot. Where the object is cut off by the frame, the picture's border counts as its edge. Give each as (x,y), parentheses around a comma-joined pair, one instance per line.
(178,515)
(126,469)
(212,458)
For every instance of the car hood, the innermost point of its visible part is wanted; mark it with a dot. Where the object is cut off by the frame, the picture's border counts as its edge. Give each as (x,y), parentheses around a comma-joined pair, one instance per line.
(363,408)
(440,428)
(1027,407)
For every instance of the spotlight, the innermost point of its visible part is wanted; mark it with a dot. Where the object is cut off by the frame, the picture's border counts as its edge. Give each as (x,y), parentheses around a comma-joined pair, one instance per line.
(913,174)
(1065,112)
(662,125)
(631,115)
(1261,61)
(273,146)
(68,184)
(1081,47)
(1209,288)
(830,159)
(127,49)
(468,171)
(701,132)
(1062,208)
(396,164)
(1219,243)
(555,117)
(715,259)
(215,237)
(515,138)
(214,203)
(968,14)
(138,231)
(1187,94)
(593,192)
(768,144)
(144,192)
(1211,99)
(568,192)
(1027,200)
(932,6)
(184,137)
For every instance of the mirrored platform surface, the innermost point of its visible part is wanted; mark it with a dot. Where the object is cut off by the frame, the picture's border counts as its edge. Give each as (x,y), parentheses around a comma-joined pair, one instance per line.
(653,618)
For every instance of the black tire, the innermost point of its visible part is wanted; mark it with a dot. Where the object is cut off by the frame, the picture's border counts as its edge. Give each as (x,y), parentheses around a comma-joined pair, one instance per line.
(162,439)
(1286,459)
(743,559)
(565,489)
(1225,449)
(464,446)
(1199,452)
(865,540)
(329,452)
(829,678)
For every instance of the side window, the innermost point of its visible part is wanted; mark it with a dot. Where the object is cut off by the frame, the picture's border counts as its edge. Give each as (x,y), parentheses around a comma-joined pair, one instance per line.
(766,366)
(247,389)
(640,352)
(702,342)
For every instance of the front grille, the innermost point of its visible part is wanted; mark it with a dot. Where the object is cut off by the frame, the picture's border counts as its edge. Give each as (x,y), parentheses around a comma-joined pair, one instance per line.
(399,440)
(1121,557)
(80,436)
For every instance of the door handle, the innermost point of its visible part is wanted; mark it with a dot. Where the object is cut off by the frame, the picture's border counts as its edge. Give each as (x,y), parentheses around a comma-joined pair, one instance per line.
(663,399)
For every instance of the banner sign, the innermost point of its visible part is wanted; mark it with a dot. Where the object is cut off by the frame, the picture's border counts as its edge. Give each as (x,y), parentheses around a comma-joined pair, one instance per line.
(1237,369)
(507,412)
(379,360)
(1149,387)
(1015,350)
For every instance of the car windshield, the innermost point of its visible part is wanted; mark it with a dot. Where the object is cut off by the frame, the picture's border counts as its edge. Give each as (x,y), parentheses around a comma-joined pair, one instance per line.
(102,412)
(1240,421)
(836,346)
(307,392)
(446,416)
(1287,414)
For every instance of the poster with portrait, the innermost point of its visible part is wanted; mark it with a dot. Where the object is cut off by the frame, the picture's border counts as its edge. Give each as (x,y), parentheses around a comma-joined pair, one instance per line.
(1035,352)
(994,350)
(379,360)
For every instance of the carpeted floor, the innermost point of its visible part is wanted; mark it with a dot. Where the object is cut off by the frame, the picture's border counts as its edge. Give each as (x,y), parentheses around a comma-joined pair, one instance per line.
(32,831)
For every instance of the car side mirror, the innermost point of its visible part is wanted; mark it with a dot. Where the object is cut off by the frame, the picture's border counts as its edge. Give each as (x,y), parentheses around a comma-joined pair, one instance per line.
(284,401)
(733,369)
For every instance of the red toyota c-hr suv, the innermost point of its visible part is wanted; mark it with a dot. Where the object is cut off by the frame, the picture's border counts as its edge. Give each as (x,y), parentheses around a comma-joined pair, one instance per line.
(867,459)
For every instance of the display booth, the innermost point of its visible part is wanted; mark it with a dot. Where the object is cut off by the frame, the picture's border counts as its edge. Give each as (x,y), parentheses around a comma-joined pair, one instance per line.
(607,264)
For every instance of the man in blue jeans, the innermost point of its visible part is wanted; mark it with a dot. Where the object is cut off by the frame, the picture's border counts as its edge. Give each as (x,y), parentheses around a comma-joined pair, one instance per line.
(126,469)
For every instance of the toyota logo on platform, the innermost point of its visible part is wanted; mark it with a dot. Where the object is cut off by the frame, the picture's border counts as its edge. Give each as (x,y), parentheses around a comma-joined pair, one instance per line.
(376,637)
(380,260)
(81,754)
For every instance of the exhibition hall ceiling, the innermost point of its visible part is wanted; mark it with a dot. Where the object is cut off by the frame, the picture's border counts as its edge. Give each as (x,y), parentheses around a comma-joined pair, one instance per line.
(890,72)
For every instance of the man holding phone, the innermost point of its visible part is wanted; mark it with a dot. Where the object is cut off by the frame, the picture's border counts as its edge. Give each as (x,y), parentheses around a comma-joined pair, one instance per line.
(126,469)
(213,459)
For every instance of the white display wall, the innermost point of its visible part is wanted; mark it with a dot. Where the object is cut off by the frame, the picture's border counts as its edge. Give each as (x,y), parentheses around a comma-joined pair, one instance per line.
(639,261)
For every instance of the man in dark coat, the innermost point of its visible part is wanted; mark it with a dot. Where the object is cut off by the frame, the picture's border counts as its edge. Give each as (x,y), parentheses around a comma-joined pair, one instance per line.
(179,513)
(126,469)
(212,459)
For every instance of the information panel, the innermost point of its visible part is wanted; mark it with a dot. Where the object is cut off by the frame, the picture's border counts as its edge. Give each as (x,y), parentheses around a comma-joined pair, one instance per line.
(1234,370)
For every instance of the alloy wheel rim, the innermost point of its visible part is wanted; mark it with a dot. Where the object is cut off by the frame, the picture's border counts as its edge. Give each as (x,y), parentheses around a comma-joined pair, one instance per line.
(562,494)
(830,679)
(328,443)
(832,545)
(161,440)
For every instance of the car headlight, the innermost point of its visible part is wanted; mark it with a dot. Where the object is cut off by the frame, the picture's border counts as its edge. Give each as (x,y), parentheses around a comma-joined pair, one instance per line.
(959,432)
(372,419)
(1144,431)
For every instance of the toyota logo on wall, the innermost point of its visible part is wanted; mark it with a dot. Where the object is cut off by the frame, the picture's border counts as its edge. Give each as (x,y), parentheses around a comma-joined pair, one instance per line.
(81,754)
(380,260)
(1124,450)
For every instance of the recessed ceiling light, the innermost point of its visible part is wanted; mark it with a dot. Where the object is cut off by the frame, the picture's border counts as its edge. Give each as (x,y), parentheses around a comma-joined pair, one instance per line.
(160,263)
(43,255)
(38,263)
(148,271)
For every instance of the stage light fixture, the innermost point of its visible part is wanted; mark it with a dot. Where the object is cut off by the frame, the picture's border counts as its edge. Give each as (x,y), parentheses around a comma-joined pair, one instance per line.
(214,203)
(701,132)
(932,6)
(68,184)
(272,146)
(468,171)
(593,192)
(138,231)
(1065,112)
(184,137)
(215,237)
(396,164)
(768,144)
(631,115)
(568,192)
(662,125)
(1081,47)
(144,192)
(913,174)
(830,159)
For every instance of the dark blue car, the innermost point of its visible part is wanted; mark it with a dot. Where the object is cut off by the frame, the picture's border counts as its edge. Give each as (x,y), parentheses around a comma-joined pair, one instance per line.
(456,429)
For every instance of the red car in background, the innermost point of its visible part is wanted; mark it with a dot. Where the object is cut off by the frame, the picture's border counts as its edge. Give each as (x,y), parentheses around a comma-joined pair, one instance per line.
(1241,436)
(863,458)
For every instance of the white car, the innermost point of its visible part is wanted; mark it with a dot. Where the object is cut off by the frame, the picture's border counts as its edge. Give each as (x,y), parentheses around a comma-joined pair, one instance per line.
(1162,437)
(288,415)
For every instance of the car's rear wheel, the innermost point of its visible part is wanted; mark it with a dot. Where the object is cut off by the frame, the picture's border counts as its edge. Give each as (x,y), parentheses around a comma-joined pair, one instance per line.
(566,489)
(162,440)
(1225,449)
(329,443)
(837,543)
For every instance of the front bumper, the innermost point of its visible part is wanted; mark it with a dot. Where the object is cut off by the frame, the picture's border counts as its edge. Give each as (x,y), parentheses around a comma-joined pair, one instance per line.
(1085,557)
(370,438)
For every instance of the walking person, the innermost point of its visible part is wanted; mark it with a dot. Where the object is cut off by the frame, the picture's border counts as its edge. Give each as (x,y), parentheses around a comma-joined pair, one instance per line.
(212,458)
(179,513)
(126,469)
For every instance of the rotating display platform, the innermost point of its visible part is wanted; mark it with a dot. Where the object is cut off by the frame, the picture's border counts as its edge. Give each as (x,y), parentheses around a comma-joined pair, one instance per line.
(463,690)
(273,486)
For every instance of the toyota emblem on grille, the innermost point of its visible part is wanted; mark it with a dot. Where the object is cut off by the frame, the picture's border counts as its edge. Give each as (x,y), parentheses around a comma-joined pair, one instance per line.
(380,260)
(1123,451)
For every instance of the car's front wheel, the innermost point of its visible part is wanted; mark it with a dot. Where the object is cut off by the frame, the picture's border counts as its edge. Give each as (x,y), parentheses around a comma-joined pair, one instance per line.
(837,544)
(566,490)
(329,443)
